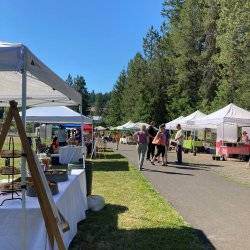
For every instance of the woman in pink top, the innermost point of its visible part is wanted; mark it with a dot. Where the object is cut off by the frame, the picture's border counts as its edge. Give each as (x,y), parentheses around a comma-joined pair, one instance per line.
(141,137)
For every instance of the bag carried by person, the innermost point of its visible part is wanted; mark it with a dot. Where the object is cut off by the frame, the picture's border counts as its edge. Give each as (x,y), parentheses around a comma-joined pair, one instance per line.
(159,140)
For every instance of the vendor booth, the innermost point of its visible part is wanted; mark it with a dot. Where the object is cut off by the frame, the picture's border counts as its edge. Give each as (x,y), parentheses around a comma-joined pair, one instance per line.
(61,115)
(172,124)
(28,81)
(55,114)
(187,124)
(227,121)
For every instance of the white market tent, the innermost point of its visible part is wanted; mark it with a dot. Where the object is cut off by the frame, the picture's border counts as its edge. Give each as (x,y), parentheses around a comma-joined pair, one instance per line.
(126,126)
(226,121)
(24,78)
(137,125)
(100,128)
(230,114)
(172,124)
(55,114)
(188,121)
(28,81)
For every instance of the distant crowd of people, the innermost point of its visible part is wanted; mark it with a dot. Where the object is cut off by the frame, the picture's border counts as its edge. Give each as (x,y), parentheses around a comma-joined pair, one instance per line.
(155,144)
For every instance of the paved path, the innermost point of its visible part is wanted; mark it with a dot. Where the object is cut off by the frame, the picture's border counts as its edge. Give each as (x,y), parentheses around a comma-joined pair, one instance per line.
(207,201)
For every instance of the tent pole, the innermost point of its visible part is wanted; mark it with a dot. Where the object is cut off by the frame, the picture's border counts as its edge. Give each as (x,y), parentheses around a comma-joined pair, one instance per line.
(83,143)
(23,159)
(223,133)
(93,145)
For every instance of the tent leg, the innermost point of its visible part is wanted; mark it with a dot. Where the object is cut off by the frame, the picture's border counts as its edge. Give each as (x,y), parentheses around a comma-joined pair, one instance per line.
(23,160)
(83,143)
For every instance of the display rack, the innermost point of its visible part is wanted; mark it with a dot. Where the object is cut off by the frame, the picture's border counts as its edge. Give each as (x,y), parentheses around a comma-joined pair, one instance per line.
(54,221)
(9,170)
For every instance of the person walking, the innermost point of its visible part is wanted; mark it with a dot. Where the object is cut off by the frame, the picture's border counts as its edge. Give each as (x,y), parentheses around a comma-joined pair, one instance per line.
(179,137)
(117,139)
(160,142)
(151,147)
(141,137)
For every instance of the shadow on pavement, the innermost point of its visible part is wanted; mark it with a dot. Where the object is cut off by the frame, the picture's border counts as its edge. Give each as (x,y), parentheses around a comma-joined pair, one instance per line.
(203,165)
(187,168)
(164,172)
(100,231)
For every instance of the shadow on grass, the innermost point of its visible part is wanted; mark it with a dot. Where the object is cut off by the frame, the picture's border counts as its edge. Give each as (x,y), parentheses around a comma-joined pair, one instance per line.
(112,156)
(100,231)
(110,166)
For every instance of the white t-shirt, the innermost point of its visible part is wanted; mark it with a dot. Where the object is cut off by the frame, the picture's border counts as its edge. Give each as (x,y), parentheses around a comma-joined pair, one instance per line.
(179,137)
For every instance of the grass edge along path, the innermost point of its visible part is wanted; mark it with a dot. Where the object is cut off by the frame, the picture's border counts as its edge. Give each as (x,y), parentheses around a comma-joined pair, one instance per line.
(135,215)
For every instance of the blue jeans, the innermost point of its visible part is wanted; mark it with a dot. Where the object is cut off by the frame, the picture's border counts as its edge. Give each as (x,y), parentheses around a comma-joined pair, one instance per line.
(141,149)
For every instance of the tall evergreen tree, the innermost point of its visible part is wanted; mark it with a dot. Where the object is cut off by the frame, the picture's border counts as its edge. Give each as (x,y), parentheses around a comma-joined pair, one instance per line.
(70,80)
(80,86)
(200,60)
(233,40)
(114,114)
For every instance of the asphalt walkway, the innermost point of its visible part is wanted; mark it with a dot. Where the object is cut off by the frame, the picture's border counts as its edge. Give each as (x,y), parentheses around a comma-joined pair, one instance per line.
(207,201)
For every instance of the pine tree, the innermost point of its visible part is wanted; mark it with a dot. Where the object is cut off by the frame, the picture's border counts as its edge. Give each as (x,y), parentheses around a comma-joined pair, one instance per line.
(114,113)
(233,40)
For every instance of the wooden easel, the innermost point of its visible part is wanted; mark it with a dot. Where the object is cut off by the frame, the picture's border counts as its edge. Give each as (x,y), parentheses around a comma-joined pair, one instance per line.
(54,221)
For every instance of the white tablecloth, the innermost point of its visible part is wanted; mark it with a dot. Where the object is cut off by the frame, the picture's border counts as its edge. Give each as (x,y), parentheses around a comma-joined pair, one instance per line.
(71,201)
(70,154)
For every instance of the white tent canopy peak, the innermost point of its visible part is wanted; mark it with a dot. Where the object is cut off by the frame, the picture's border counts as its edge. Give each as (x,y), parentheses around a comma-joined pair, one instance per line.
(229,114)
(44,87)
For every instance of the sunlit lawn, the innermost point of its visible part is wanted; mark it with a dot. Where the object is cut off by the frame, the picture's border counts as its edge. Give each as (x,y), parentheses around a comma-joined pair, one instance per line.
(135,216)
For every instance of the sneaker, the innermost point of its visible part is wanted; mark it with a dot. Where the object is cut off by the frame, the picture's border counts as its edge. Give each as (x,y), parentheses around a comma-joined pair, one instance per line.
(152,163)
(179,163)
(164,164)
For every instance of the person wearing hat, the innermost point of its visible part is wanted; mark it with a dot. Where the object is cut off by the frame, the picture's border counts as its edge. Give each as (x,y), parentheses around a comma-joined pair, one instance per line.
(245,138)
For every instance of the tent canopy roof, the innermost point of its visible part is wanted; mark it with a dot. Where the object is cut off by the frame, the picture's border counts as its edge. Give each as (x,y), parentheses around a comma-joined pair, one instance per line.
(55,114)
(44,87)
(186,122)
(187,119)
(172,124)
(126,126)
(229,114)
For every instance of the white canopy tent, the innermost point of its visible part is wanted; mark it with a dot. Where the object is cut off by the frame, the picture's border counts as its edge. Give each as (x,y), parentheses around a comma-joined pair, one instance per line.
(126,126)
(230,114)
(226,121)
(172,124)
(137,125)
(187,122)
(100,128)
(28,81)
(24,76)
(55,114)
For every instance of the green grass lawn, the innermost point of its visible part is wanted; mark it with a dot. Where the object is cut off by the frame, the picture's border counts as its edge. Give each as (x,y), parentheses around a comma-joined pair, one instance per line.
(135,215)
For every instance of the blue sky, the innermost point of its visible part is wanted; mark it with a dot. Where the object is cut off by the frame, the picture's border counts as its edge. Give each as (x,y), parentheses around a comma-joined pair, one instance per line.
(93,38)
